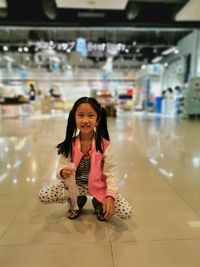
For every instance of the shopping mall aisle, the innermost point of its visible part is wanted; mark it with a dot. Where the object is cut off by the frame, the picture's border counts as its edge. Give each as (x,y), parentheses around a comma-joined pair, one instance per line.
(158,160)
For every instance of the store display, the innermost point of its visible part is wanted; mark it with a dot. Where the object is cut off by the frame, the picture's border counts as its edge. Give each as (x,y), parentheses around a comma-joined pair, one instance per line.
(108,102)
(125,101)
(192,101)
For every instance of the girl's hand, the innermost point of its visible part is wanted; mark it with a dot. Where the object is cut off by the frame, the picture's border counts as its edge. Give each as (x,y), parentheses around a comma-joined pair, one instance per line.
(109,208)
(67,172)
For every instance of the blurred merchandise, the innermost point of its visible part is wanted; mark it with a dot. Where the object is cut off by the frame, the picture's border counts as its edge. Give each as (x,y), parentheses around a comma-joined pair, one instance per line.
(105,98)
(192,100)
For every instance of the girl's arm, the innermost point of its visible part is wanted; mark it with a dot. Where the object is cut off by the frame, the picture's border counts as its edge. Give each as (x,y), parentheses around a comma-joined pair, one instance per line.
(110,170)
(63,162)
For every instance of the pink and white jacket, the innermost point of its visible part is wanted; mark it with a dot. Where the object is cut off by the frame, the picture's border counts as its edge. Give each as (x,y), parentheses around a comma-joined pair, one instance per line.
(102,180)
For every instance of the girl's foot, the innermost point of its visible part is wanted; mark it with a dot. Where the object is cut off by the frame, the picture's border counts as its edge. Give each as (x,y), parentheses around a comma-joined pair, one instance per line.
(73,214)
(98,209)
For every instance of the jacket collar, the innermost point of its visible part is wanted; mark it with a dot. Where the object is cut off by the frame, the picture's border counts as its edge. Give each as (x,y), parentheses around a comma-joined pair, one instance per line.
(78,144)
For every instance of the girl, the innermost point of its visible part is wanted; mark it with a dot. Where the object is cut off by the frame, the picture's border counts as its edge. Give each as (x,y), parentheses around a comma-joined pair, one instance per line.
(87,145)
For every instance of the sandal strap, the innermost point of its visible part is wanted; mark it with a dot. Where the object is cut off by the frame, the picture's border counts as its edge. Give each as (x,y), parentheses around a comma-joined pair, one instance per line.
(73,214)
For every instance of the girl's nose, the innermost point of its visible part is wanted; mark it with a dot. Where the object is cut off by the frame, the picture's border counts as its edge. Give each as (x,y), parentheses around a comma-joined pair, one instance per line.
(85,119)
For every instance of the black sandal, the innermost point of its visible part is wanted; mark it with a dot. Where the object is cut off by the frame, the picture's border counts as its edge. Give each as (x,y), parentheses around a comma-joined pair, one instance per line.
(73,214)
(98,209)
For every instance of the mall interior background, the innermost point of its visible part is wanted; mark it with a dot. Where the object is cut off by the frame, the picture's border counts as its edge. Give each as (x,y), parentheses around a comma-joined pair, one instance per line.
(141,60)
(148,68)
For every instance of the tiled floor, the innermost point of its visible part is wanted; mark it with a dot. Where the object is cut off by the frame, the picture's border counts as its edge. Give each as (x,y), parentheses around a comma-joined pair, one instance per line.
(159,167)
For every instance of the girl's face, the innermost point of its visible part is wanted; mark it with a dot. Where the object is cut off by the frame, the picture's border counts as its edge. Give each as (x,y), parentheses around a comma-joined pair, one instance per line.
(86,118)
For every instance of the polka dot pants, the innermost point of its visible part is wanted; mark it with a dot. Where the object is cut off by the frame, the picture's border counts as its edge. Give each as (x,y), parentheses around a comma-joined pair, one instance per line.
(53,194)
(58,194)
(122,208)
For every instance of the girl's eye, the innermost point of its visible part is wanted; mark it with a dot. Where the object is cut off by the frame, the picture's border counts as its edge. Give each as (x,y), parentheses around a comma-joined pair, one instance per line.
(88,116)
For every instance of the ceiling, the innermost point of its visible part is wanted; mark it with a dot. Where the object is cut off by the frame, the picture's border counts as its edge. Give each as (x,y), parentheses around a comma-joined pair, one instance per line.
(103,13)
(146,27)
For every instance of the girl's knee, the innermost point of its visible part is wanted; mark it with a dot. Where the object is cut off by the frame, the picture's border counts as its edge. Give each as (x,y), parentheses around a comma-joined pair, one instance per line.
(128,214)
(52,194)
(42,196)
(123,209)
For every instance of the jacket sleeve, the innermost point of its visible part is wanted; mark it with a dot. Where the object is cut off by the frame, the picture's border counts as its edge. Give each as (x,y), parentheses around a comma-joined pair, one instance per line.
(62,163)
(110,170)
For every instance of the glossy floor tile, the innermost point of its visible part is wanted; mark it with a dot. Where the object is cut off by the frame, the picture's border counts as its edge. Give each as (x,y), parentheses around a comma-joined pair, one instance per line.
(55,255)
(184,253)
(158,160)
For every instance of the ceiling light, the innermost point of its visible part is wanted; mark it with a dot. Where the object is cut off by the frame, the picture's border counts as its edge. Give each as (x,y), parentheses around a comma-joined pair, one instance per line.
(5,48)
(176,51)
(169,51)
(26,49)
(132,10)
(51,43)
(157,59)
(49,7)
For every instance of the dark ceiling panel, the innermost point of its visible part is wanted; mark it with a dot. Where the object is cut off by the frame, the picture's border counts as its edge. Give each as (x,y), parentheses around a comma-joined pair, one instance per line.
(150,13)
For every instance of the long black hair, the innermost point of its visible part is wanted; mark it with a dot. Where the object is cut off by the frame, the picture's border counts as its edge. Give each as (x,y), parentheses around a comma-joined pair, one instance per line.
(71,131)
